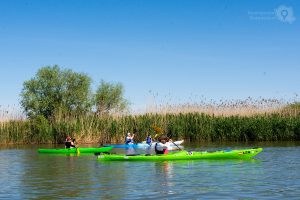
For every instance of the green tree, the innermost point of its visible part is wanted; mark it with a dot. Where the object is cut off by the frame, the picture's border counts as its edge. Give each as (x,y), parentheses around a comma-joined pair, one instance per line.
(56,91)
(109,98)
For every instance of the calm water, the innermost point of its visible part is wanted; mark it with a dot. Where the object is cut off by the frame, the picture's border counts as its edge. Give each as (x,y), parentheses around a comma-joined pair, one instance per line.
(275,174)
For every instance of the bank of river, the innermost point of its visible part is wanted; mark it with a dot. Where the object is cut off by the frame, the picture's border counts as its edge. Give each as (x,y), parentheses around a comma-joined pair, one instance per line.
(274,174)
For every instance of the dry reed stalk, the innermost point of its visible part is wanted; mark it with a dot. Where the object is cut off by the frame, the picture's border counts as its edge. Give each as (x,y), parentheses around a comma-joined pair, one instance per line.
(248,107)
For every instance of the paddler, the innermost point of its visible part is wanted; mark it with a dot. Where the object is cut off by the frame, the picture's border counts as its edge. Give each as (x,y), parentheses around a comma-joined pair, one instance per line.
(69,143)
(149,140)
(161,147)
(129,150)
(129,138)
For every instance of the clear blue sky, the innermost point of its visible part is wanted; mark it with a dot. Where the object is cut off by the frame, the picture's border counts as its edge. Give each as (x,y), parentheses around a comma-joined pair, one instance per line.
(179,49)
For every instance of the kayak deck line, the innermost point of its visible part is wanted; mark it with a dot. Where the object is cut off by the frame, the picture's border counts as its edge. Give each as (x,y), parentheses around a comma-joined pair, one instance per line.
(76,150)
(185,155)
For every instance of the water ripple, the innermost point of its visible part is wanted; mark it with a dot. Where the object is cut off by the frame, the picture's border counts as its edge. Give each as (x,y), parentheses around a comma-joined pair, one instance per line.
(28,175)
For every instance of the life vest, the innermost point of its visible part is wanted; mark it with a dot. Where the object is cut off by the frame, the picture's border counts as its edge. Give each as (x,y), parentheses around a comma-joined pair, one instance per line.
(148,140)
(68,144)
(128,140)
(164,151)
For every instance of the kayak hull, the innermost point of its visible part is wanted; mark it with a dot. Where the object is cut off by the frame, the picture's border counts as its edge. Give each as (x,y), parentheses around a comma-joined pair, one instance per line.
(76,150)
(184,155)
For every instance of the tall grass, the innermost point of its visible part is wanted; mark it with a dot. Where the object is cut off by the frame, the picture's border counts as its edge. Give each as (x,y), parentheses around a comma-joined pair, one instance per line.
(278,125)
(245,107)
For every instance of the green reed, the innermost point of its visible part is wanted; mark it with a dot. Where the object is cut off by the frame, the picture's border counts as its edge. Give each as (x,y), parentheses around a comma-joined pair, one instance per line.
(189,126)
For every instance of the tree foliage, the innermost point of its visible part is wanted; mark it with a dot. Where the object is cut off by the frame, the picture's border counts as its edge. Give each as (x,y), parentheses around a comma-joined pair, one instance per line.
(54,90)
(109,98)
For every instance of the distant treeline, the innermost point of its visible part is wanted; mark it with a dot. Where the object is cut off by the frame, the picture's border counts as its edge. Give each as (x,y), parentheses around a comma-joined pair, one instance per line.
(192,127)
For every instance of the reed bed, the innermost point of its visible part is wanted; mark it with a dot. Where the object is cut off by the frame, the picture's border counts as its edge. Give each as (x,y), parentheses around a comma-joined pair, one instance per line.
(188,122)
(246,107)
(8,113)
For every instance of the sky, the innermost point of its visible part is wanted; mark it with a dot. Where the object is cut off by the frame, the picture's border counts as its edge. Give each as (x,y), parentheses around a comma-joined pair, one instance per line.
(170,51)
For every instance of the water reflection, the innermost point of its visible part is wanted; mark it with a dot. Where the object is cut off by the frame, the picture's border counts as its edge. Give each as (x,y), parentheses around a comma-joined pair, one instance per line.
(28,175)
(51,176)
(130,151)
(164,176)
(68,176)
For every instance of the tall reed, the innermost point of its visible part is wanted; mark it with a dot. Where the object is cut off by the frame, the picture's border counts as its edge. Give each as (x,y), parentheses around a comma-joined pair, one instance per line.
(282,125)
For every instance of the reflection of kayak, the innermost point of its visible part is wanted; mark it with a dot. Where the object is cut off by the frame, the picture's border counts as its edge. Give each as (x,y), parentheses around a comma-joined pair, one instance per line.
(146,146)
(76,150)
(184,155)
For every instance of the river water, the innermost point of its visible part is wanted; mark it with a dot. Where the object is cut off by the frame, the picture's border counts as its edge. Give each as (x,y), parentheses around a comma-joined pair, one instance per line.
(274,174)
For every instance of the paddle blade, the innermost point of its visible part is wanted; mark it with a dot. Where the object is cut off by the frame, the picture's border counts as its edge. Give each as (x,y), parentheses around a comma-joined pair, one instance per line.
(157,129)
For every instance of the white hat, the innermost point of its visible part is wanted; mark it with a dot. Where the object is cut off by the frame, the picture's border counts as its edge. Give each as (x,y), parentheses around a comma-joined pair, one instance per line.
(128,133)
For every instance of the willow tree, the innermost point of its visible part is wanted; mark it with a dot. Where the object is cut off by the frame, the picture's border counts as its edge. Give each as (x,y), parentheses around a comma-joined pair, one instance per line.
(109,98)
(54,90)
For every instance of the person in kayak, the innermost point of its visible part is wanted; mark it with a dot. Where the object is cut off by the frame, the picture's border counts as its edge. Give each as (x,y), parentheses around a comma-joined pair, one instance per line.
(161,147)
(129,150)
(129,138)
(69,143)
(149,140)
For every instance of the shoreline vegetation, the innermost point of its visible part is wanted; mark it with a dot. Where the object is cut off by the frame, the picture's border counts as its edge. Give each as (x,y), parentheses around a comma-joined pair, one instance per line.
(239,121)
(59,102)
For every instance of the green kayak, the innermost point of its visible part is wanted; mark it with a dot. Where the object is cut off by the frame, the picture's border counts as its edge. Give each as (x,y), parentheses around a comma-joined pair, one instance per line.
(185,155)
(76,150)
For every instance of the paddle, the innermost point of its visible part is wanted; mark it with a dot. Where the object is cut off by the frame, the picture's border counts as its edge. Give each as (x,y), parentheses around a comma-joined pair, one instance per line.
(159,130)
(77,150)
(176,145)
(76,146)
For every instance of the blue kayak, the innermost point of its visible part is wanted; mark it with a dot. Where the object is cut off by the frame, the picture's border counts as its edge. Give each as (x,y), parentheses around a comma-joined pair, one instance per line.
(171,146)
(121,145)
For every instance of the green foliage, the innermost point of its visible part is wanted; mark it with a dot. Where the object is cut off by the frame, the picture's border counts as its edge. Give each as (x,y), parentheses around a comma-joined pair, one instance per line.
(40,129)
(56,92)
(109,98)
(193,127)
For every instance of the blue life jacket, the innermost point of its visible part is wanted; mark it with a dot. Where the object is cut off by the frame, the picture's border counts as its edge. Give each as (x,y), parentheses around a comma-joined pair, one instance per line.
(127,140)
(149,140)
